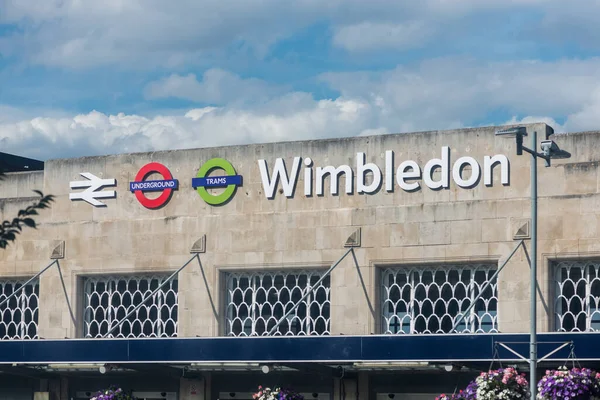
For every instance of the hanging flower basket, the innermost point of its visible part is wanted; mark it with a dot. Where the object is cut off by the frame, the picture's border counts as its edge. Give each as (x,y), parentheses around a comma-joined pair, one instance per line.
(503,383)
(112,393)
(456,396)
(573,384)
(276,394)
(500,384)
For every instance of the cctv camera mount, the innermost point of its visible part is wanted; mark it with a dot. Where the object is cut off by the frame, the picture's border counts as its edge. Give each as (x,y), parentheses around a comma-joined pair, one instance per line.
(549,148)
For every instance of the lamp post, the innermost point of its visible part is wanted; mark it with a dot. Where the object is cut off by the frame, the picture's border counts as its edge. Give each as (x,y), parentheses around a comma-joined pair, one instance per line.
(549,150)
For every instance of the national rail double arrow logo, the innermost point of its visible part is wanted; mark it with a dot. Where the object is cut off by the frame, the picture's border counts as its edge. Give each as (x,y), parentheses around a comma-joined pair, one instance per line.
(93,190)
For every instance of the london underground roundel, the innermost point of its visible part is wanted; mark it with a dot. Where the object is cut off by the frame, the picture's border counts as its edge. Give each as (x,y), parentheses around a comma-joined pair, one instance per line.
(230,181)
(165,185)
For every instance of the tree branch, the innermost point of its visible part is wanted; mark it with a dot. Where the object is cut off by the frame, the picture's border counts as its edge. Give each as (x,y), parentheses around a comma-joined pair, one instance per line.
(11,228)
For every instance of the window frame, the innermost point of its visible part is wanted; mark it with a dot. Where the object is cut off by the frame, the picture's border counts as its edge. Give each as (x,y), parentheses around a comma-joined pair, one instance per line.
(252,274)
(556,283)
(21,328)
(476,322)
(114,277)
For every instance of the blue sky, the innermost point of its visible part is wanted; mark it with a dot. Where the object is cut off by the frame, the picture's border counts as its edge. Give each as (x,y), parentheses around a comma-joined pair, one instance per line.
(81,77)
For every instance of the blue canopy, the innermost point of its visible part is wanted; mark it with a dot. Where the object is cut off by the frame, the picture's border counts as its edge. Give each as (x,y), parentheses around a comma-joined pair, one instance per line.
(321,349)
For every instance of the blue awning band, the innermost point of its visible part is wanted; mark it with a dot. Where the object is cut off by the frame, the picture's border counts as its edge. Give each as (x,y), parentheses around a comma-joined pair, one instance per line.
(323,349)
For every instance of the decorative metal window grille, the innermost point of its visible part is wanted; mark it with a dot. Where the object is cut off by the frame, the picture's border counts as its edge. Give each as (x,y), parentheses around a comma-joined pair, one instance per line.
(577,304)
(20,313)
(109,298)
(431,299)
(257,300)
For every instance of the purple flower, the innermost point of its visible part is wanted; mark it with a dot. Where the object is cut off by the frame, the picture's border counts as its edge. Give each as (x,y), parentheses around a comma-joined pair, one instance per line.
(112,393)
(577,384)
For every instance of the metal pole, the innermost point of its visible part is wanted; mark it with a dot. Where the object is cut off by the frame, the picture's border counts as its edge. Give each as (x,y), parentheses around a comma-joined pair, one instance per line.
(111,330)
(308,292)
(488,283)
(556,350)
(26,283)
(62,281)
(533,313)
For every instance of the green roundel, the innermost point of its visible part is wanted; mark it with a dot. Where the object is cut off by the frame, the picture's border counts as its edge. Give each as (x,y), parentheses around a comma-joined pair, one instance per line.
(203,172)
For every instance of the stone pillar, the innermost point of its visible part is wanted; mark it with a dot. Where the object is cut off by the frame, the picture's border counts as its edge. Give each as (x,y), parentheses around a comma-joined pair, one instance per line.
(58,387)
(363,385)
(64,388)
(350,308)
(345,389)
(54,320)
(194,389)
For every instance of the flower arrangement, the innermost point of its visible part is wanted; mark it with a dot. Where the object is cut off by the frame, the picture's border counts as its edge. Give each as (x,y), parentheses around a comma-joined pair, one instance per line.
(502,384)
(470,392)
(276,394)
(575,384)
(456,396)
(112,393)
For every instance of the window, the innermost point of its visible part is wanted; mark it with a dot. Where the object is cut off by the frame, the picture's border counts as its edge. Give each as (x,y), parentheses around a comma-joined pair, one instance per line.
(109,298)
(430,299)
(257,300)
(577,285)
(20,313)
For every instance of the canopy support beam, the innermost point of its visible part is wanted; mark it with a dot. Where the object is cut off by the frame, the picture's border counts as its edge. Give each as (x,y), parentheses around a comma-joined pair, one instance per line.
(463,315)
(309,292)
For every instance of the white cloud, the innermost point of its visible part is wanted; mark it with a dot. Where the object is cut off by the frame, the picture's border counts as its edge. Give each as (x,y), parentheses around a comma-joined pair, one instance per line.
(531,119)
(453,92)
(148,33)
(142,33)
(217,87)
(366,36)
(97,133)
(436,94)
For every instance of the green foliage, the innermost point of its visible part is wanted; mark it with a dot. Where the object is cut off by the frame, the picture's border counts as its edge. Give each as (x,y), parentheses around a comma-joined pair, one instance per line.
(11,228)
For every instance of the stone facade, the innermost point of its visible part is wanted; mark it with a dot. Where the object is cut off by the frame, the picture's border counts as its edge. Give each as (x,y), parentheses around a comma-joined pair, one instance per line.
(250,232)
(254,232)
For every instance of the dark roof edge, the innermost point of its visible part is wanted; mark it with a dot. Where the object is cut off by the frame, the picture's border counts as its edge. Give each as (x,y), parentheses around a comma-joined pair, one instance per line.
(14,163)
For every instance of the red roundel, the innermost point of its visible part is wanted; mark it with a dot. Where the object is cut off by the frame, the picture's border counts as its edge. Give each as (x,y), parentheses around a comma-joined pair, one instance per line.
(166,185)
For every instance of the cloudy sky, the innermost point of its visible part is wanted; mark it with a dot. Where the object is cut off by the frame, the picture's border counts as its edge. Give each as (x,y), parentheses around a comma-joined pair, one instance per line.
(83,77)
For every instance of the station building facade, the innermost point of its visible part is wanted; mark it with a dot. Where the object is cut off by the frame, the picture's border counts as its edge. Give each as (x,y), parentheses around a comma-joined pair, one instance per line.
(231,248)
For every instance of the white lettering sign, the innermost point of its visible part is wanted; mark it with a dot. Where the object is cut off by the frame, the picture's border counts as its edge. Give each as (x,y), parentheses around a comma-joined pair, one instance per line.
(92,191)
(436,174)
(279,174)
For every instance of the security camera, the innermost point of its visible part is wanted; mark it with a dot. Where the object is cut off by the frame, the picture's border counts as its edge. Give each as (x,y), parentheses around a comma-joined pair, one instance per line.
(163,394)
(548,147)
(391,395)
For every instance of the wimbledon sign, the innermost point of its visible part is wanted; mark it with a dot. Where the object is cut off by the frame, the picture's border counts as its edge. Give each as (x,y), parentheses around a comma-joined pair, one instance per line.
(407,175)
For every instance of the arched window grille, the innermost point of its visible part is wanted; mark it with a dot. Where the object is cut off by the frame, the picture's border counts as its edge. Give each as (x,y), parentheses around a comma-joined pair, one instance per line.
(577,299)
(20,313)
(257,300)
(107,299)
(430,299)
